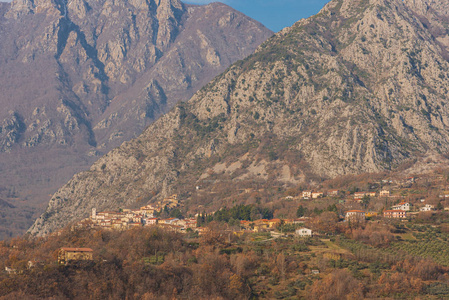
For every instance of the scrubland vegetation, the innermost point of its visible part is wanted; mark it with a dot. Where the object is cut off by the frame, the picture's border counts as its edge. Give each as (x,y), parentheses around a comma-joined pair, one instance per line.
(376,258)
(365,260)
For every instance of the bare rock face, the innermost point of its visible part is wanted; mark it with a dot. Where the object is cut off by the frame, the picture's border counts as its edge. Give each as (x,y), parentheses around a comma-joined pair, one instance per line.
(11,131)
(81,77)
(360,87)
(20,8)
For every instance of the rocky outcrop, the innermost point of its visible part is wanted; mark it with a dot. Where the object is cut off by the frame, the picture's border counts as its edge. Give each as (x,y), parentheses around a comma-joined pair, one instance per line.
(360,87)
(83,76)
(10,131)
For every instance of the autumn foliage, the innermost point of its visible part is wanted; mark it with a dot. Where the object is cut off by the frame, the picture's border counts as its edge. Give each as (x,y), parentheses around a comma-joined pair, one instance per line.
(139,263)
(374,234)
(153,263)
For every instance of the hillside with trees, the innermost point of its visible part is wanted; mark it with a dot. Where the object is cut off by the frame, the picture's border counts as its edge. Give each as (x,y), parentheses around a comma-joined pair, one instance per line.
(343,260)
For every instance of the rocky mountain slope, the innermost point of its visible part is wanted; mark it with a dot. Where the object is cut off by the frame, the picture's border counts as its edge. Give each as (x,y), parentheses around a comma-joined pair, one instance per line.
(360,87)
(80,77)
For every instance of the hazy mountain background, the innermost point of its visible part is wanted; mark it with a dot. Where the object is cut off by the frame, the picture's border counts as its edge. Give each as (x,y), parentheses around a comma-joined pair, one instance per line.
(80,78)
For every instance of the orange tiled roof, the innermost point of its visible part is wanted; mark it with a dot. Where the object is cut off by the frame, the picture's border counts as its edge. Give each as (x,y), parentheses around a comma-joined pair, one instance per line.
(77,249)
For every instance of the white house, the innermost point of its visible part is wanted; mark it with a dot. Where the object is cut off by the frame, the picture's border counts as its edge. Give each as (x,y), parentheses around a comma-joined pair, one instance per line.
(307,194)
(428,207)
(304,232)
(399,214)
(150,221)
(355,215)
(359,195)
(402,206)
(384,193)
(169,221)
(316,195)
(333,192)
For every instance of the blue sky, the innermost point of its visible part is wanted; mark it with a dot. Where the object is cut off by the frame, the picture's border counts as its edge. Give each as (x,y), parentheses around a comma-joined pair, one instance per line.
(274,14)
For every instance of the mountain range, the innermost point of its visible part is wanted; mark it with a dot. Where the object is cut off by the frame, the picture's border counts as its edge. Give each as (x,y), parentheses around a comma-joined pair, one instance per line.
(360,87)
(81,77)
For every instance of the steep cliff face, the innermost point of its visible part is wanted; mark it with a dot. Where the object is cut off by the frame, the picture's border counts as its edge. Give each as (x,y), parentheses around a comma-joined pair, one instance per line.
(80,77)
(103,63)
(360,87)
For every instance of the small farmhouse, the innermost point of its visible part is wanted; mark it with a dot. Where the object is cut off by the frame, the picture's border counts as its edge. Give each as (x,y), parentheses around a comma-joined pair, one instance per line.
(402,206)
(304,232)
(355,215)
(333,192)
(169,221)
(316,195)
(384,193)
(261,225)
(427,207)
(66,255)
(371,214)
(306,194)
(359,195)
(150,221)
(395,214)
(274,222)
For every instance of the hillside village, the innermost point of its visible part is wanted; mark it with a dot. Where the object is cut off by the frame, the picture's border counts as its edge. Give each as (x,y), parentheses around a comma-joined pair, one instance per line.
(144,216)
(386,199)
(367,230)
(269,165)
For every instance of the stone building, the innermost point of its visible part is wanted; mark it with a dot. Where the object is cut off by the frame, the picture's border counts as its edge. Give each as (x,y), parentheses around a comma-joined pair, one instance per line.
(66,255)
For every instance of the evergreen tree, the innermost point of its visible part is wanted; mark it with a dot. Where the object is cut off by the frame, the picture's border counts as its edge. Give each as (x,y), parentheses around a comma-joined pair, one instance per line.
(333,208)
(301,211)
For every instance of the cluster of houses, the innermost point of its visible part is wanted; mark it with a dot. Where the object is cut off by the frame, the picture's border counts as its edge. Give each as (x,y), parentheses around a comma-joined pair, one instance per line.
(385,192)
(398,211)
(259,225)
(358,196)
(144,216)
(127,219)
(264,225)
(318,194)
